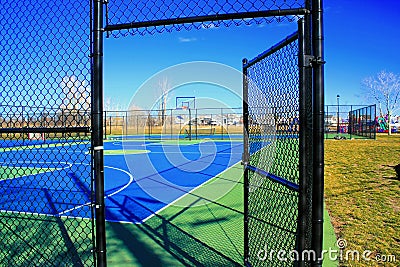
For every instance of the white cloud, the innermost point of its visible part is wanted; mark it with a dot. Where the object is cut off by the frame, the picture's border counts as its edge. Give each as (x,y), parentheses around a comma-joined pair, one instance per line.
(187,40)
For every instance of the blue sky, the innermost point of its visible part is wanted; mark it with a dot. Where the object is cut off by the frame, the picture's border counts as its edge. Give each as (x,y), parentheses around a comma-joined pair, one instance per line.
(361,38)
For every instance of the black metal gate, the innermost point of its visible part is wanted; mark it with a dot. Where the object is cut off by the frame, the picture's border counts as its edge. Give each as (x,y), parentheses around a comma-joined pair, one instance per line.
(46,179)
(284,123)
(277,156)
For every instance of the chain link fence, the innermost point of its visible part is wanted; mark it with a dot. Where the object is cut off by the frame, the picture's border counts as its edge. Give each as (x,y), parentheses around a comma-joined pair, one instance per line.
(142,17)
(199,123)
(288,155)
(362,122)
(46,189)
(350,122)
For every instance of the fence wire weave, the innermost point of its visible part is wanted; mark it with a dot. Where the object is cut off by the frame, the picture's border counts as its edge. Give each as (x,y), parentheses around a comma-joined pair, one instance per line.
(45,160)
(143,15)
(273,132)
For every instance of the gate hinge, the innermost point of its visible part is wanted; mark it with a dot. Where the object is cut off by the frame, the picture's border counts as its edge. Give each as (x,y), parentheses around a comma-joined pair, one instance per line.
(311,61)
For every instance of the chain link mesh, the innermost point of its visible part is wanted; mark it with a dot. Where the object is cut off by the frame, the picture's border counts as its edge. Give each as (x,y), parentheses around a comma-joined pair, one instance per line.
(45,160)
(128,11)
(273,103)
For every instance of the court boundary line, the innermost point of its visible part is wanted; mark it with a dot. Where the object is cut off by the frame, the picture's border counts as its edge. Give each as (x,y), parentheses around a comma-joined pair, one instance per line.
(60,214)
(33,174)
(131,180)
(185,194)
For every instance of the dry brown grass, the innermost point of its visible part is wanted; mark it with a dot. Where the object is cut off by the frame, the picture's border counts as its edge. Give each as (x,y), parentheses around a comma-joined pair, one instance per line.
(362,195)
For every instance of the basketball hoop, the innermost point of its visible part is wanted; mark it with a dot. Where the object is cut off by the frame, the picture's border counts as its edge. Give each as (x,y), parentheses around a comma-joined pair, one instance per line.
(185,102)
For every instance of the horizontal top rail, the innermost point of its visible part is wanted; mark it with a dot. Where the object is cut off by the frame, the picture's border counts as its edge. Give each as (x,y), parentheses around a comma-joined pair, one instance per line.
(207,18)
(46,130)
(273,49)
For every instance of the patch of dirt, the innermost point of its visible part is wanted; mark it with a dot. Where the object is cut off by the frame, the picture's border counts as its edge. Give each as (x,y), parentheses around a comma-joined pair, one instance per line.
(394,203)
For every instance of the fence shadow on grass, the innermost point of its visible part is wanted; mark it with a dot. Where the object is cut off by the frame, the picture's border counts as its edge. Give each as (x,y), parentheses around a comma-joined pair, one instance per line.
(396,169)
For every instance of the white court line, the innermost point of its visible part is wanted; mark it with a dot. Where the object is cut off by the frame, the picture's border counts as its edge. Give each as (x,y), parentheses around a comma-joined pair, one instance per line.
(131,180)
(34,162)
(195,153)
(184,195)
(43,214)
(63,151)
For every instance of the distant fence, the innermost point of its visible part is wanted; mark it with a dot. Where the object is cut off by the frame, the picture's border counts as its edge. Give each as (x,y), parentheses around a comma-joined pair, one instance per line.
(41,117)
(215,123)
(362,122)
(350,121)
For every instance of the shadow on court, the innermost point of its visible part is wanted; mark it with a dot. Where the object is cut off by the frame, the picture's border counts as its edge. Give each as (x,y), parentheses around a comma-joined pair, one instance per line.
(203,232)
(35,236)
(161,242)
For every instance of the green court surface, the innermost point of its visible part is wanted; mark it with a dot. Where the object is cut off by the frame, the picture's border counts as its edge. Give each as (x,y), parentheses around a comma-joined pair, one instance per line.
(32,234)
(196,230)
(344,136)
(8,172)
(202,228)
(330,242)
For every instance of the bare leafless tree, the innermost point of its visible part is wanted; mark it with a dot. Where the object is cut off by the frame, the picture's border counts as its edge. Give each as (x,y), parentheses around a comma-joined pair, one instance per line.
(75,106)
(164,87)
(76,94)
(384,88)
(110,104)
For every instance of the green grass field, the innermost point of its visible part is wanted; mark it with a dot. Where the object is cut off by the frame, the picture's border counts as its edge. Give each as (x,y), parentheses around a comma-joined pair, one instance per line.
(362,195)
(344,135)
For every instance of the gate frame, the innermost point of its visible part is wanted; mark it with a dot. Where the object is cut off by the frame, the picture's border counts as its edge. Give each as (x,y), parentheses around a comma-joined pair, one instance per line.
(313,7)
(305,137)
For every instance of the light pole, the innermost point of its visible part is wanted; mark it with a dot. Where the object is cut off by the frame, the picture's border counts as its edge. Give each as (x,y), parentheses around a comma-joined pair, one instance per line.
(337,119)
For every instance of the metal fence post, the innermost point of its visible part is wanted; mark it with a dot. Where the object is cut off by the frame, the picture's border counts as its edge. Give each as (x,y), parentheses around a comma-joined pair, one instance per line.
(197,122)
(350,127)
(245,161)
(305,143)
(97,131)
(318,117)
(126,123)
(190,124)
